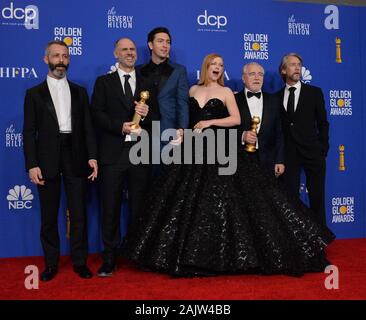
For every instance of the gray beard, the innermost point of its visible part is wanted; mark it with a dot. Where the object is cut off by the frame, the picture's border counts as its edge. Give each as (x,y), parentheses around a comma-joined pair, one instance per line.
(59,74)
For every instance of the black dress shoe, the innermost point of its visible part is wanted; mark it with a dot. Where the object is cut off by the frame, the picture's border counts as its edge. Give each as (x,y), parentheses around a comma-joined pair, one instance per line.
(49,273)
(83,271)
(106,270)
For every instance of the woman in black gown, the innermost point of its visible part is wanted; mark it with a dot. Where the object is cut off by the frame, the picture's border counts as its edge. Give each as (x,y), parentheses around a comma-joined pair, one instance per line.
(197,222)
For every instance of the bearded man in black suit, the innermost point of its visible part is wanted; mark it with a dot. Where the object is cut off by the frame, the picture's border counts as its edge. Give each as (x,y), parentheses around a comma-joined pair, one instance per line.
(59,142)
(305,125)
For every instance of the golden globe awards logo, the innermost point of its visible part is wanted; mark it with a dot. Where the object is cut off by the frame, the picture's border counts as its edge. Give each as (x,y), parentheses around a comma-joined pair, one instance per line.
(256,46)
(340,102)
(343,209)
(72,36)
(298,28)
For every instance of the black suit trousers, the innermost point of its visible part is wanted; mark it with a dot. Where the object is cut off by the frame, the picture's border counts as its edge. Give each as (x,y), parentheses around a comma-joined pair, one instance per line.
(314,170)
(114,178)
(49,195)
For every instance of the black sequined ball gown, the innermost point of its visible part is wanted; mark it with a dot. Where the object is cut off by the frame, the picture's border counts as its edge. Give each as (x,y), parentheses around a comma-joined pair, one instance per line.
(199,223)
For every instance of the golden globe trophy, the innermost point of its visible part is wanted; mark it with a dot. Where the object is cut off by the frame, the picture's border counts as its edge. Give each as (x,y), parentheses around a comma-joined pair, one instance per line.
(250,147)
(338,50)
(144,95)
(342,167)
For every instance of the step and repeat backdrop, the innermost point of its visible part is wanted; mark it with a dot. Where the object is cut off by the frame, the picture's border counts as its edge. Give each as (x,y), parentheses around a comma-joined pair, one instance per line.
(330,38)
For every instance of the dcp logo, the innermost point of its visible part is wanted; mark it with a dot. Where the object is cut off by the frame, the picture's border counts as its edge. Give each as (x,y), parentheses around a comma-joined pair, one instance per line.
(29,15)
(211,20)
(20,197)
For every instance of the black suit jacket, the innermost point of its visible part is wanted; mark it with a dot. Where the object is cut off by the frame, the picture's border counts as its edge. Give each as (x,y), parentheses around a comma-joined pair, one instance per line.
(308,130)
(270,137)
(41,137)
(110,110)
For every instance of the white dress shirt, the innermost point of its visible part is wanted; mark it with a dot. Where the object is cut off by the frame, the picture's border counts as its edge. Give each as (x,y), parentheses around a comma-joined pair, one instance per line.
(132,80)
(287,93)
(255,108)
(61,98)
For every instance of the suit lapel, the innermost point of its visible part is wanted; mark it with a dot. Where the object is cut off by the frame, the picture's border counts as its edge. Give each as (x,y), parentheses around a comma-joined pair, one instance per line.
(167,72)
(117,87)
(243,106)
(281,96)
(74,103)
(46,95)
(138,88)
(302,96)
(265,111)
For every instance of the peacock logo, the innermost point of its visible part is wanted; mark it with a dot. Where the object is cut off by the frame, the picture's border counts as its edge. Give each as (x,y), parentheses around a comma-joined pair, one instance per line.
(305,75)
(20,197)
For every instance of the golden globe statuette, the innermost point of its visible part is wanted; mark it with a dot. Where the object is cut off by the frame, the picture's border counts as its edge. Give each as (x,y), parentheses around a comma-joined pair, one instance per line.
(338,50)
(144,95)
(250,147)
(342,167)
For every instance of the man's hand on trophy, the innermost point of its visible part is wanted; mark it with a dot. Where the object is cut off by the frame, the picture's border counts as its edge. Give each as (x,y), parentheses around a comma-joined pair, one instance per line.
(250,137)
(141,108)
(127,127)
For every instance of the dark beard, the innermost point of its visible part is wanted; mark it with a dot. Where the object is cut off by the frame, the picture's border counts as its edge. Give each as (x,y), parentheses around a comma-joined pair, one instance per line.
(58,73)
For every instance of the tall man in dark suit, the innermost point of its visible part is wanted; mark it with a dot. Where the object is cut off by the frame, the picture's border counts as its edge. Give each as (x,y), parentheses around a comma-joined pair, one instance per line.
(252,101)
(113,106)
(305,125)
(168,82)
(59,142)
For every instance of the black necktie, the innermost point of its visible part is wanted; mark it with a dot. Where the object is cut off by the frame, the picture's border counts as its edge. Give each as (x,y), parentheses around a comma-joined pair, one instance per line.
(128,91)
(291,101)
(251,94)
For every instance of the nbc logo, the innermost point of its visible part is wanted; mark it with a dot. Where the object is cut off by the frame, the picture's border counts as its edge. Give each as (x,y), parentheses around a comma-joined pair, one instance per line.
(113,68)
(305,75)
(20,197)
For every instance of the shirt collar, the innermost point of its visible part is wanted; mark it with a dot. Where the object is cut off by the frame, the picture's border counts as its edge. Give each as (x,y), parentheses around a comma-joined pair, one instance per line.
(246,90)
(297,85)
(56,82)
(153,65)
(122,73)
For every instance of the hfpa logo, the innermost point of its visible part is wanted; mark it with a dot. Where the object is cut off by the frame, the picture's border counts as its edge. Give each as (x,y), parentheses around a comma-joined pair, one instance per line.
(20,197)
